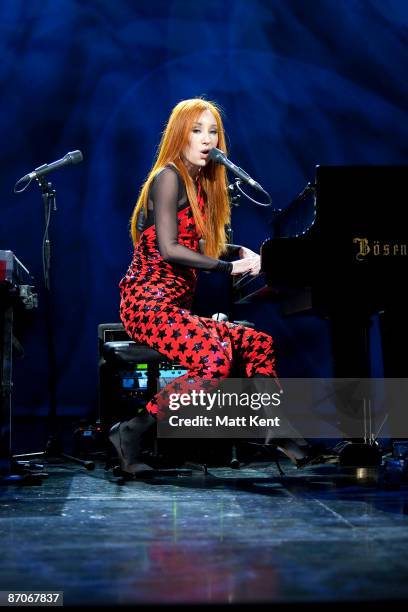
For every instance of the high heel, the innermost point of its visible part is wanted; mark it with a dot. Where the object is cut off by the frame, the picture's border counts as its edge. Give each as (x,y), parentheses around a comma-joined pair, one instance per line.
(303,455)
(126,437)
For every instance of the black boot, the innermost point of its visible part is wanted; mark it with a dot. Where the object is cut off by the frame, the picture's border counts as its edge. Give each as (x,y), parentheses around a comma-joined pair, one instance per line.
(126,438)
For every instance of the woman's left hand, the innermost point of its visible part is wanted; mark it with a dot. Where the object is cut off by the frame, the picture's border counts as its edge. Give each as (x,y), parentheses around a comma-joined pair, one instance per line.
(256,266)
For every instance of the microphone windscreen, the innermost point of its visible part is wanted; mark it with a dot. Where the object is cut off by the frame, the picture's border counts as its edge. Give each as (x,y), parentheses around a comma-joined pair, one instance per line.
(216,155)
(75,157)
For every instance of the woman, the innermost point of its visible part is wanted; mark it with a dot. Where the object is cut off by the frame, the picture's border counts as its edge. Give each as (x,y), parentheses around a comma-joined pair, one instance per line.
(178,227)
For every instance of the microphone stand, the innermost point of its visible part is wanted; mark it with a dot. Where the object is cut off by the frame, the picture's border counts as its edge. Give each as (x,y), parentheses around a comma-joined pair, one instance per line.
(48,194)
(53,446)
(235,193)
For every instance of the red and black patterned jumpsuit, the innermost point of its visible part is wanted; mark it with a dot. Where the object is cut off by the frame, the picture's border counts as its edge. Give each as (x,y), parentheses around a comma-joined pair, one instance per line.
(157,293)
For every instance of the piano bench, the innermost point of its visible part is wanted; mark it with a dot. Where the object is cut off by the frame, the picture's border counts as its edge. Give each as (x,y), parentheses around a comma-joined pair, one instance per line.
(121,353)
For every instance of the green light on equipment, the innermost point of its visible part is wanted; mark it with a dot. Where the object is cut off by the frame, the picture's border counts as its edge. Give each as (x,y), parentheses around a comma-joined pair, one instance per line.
(141,366)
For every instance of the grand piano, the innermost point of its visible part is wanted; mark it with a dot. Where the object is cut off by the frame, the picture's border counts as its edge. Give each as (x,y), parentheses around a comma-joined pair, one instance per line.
(340,251)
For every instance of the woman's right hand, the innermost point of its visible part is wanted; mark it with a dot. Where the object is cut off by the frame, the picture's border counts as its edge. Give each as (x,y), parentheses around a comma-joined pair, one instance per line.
(248,265)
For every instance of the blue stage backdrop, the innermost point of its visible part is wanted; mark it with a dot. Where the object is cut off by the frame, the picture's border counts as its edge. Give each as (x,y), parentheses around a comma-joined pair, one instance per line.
(302,82)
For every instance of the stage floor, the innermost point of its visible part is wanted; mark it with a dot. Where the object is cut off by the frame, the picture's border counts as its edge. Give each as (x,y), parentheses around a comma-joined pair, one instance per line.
(246,536)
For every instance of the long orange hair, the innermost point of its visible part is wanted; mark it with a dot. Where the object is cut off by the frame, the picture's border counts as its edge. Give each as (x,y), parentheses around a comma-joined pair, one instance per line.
(213,177)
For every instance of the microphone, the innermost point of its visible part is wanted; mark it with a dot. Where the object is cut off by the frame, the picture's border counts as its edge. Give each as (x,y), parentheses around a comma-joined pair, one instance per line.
(73,157)
(220,158)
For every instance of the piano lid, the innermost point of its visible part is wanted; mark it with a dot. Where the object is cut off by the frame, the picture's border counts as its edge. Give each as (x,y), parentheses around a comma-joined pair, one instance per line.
(363,198)
(354,240)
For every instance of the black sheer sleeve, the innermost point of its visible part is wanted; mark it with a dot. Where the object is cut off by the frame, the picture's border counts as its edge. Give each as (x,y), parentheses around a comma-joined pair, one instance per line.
(164,195)
(232,251)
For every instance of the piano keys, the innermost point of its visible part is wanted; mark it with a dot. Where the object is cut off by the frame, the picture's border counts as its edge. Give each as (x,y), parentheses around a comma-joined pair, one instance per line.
(16,281)
(12,271)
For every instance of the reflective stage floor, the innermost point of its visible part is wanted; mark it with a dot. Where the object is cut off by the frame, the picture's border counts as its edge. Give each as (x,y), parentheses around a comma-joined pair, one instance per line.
(242,536)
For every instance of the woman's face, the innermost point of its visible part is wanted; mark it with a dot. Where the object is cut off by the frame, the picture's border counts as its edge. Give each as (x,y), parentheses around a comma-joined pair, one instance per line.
(203,137)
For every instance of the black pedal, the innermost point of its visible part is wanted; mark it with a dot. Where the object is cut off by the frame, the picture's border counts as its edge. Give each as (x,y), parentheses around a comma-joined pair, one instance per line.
(356,454)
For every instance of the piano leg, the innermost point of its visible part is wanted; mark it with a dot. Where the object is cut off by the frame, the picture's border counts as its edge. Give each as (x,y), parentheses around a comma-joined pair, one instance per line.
(350,336)
(394,339)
